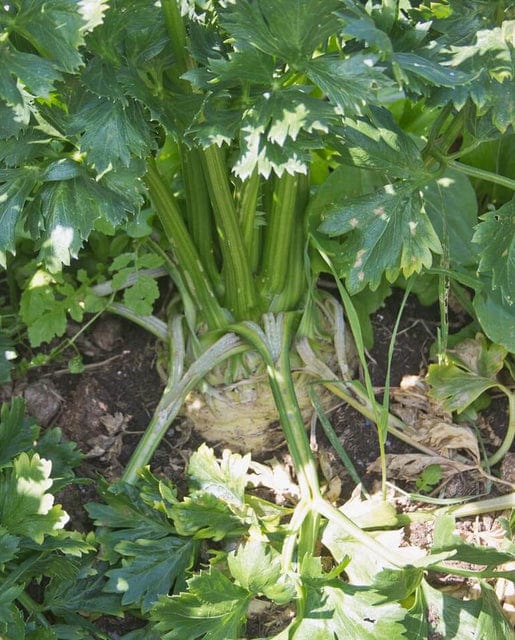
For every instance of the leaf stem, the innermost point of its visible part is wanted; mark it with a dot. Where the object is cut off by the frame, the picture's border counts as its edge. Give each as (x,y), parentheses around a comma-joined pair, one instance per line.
(174,396)
(188,259)
(281,221)
(482,174)
(240,292)
(510,432)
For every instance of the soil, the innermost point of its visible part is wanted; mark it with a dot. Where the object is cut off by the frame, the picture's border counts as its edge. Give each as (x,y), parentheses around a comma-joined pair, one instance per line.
(105,408)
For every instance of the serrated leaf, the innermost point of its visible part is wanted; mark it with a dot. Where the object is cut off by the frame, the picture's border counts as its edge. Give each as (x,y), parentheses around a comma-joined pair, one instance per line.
(291,29)
(379,143)
(150,568)
(225,479)
(349,83)
(67,212)
(204,515)
(127,518)
(334,609)
(111,132)
(35,73)
(213,608)
(442,199)
(141,295)
(16,433)
(388,232)
(364,29)
(55,30)
(25,507)
(276,132)
(257,568)
(496,237)
(83,591)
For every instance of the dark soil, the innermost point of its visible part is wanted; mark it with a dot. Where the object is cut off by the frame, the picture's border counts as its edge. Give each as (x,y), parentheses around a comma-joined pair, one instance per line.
(106,408)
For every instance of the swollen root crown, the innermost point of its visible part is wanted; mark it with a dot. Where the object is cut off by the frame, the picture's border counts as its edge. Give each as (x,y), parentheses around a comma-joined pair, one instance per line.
(241,414)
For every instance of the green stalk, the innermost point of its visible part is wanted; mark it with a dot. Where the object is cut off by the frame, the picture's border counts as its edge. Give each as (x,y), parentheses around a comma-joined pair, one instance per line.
(295,284)
(510,433)
(280,222)
(199,217)
(240,292)
(281,383)
(175,394)
(247,209)
(188,259)
(382,424)
(481,174)
(178,40)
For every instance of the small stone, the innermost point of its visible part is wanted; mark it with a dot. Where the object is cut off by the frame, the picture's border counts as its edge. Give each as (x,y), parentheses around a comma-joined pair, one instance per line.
(42,401)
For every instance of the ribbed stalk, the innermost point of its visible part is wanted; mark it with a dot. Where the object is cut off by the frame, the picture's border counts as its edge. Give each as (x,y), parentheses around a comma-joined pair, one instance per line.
(281,220)
(189,262)
(247,209)
(179,386)
(175,26)
(199,216)
(240,292)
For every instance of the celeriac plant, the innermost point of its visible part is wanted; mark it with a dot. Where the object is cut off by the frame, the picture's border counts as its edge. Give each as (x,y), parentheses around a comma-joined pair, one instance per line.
(249,147)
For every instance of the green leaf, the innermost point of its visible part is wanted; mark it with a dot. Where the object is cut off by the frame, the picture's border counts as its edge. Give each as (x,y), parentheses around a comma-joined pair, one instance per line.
(429,70)
(16,433)
(455,388)
(334,609)
(442,199)
(67,212)
(204,515)
(496,317)
(55,30)
(9,546)
(396,584)
(25,507)
(36,74)
(350,84)
(64,455)
(82,591)
(213,608)
(13,196)
(150,568)
(290,29)
(380,144)
(111,132)
(436,614)
(492,623)
(140,296)
(388,232)
(497,248)
(127,518)
(431,476)
(224,479)
(364,29)
(444,539)
(257,568)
